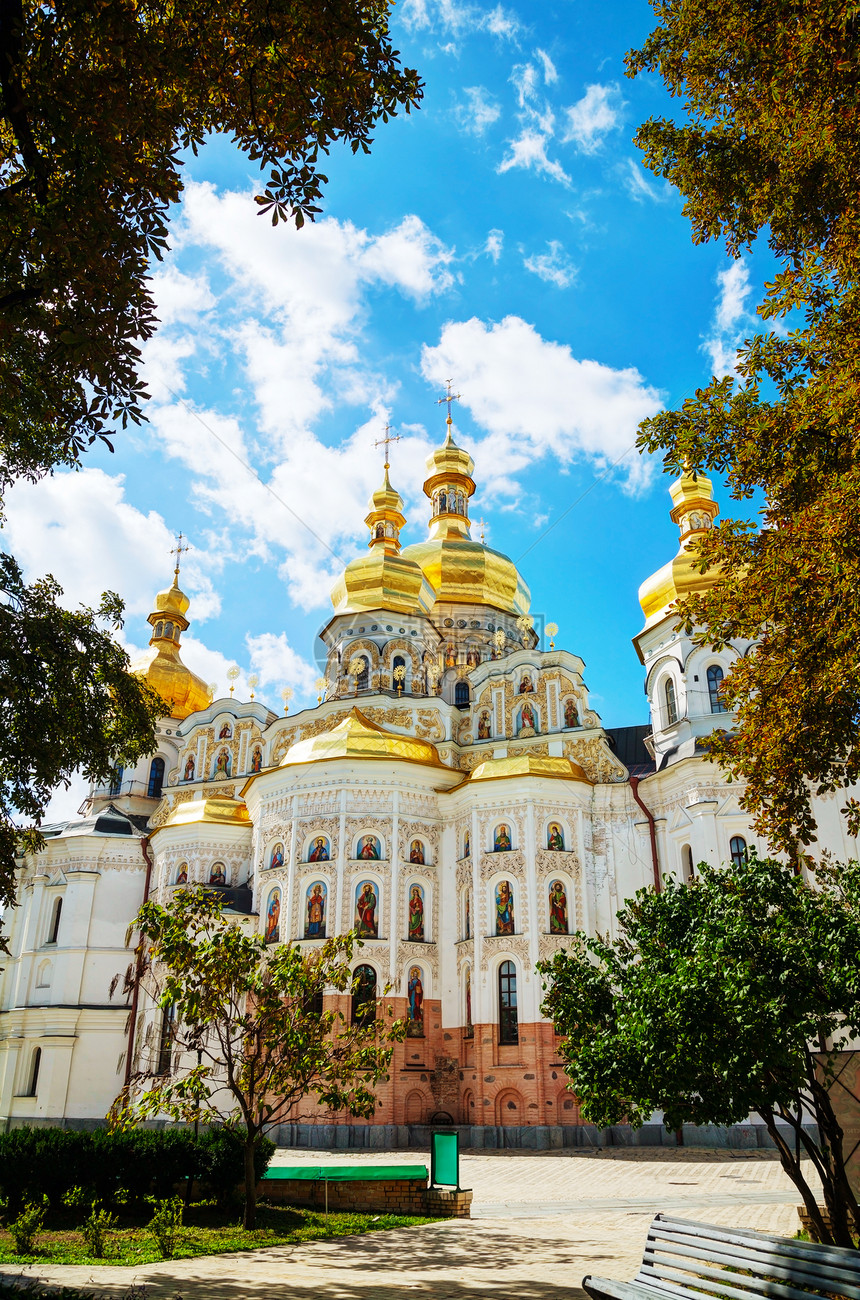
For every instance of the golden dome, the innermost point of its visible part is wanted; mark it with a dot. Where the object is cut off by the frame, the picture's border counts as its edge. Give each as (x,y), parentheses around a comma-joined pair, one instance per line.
(382,580)
(464,571)
(221,812)
(693,510)
(357,737)
(563,769)
(182,690)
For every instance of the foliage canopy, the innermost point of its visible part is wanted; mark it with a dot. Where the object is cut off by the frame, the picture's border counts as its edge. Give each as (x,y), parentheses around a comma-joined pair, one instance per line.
(705,1006)
(770,142)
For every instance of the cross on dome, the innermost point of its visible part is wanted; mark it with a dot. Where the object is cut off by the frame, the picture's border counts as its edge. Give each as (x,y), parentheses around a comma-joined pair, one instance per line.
(178,550)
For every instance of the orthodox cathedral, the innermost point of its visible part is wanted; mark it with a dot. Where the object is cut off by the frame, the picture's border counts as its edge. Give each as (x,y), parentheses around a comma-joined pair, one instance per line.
(452,797)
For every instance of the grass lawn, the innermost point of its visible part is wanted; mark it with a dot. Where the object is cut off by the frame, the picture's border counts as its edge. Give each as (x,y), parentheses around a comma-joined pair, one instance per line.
(207,1231)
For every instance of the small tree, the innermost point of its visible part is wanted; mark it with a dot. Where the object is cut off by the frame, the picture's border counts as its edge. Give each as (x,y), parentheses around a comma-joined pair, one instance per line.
(246,1012)
(729,996)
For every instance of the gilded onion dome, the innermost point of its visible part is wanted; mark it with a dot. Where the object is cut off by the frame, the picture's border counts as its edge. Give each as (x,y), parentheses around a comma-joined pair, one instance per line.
(459,569)
(383,579)
(182,690)
(694,511)
(218,812)
(357,737)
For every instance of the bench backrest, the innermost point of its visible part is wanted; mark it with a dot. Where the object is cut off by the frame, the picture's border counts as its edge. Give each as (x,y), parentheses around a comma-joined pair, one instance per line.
(735,1264)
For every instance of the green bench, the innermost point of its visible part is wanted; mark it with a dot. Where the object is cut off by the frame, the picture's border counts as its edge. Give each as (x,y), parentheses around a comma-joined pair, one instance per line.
(344,1173)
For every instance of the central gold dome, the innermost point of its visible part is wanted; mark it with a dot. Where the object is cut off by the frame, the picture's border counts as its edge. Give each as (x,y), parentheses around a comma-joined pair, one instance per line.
(463,571)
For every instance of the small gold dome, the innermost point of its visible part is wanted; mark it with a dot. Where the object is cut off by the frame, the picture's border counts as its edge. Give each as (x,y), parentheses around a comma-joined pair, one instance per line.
(221,812)
(449,461)
(563,769)
(161,664)
(357,737)
(172,601)
(462,570)
(693,510)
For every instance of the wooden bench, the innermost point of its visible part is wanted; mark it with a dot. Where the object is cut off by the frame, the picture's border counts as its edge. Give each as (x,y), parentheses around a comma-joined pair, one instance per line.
(696,1260)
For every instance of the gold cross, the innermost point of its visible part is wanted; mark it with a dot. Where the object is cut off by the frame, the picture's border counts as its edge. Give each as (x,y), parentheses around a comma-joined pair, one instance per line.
(481,526)
(448,399)
(386,441)
(178,550)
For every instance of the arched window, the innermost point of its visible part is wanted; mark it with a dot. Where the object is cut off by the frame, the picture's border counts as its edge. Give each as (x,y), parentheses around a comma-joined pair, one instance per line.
(165,1041)
(508,1030)
(715,680)
(168,630)
(116,780)
(363,680)
(313,1005)
(55,921)
(34,1074)
(461,695)
(398,680)
(156,778)
(363,995)
(159,629)
(738,850)
(688,871)
(671,702)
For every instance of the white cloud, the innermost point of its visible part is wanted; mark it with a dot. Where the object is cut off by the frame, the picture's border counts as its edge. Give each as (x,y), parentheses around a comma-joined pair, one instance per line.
(535,399)
(554,266)
(591,118)
(639,187)
(455,18)
(279,665)
(494,245)
(479,112)
(550,73)
(733,320)
(80,528)
(528,150)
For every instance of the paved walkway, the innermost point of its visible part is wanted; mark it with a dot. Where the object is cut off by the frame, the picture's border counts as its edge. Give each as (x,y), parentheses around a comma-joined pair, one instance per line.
(541,1221)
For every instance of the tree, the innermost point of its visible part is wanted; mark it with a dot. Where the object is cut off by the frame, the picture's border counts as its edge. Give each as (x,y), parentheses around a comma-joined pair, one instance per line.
(707,1006)
(98,100)
(67,702)
(770,142)
(248,1013)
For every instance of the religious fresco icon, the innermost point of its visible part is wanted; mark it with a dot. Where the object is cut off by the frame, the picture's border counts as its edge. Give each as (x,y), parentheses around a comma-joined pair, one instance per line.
(225,733)
(222,763)
(527,718)
(321,851)
(555,837)
(189,770)
(415,1004)
(570,715)
(218,874)
(366,905)
(257,760)
(368,848)
(273,917)
(502,839)
(182,874)
(416,914)
(416,852)
(526,685)
(504,908)
(558,908)
(484,725)
(315,924)
(277,858)
(467,845)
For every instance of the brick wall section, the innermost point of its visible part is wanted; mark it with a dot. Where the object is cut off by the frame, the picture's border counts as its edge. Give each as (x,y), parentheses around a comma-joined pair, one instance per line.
(397,1196)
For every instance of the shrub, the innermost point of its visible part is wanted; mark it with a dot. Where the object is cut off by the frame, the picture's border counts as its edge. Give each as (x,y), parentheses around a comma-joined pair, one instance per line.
(222,1160)
(95,1230)
(74,1198)
(28,1225)
(166,1224)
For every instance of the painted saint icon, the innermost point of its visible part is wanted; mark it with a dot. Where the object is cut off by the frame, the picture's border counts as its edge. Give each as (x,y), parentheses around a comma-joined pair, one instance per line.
(526,684)
(189,770)
(416,852)
(467,915)
(557,908)
(369,848)
(415,1008)
(570,717)
(315,924)
(555,837)
(504,908)
(257,760)
(416,914)
(273,917)
(218,874)
(527,717)
(467,845)
(320,851)
(484,726)
(366,903)
(225,732)
(182,874)
(222,763)
(277,858)
(501,839)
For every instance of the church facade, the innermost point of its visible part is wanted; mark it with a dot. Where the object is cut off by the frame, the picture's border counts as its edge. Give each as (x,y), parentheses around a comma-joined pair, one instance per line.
(453,797)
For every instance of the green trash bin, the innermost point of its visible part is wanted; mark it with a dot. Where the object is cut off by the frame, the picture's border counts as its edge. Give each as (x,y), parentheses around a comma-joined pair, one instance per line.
(445,1159)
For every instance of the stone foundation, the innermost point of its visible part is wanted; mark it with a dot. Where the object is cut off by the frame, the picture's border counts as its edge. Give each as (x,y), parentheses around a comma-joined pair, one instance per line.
(395,1196)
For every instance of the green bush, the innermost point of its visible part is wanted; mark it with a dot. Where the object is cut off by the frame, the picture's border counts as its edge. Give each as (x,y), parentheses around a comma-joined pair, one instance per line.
(28,1225)
(166,1224)
(95,1230)
(116,1167)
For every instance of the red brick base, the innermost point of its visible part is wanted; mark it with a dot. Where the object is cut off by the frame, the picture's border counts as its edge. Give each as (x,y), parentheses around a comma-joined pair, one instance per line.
(398,1196)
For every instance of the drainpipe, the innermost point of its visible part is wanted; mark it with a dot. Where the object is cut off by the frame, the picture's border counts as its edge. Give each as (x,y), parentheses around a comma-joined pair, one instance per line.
(655,861)
(144,848)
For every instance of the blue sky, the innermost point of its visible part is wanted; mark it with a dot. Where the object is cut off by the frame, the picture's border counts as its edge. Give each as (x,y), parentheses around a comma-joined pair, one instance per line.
(505,235)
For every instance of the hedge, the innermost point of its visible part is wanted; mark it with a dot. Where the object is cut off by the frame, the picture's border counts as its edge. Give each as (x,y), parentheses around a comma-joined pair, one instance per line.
(143,1162)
